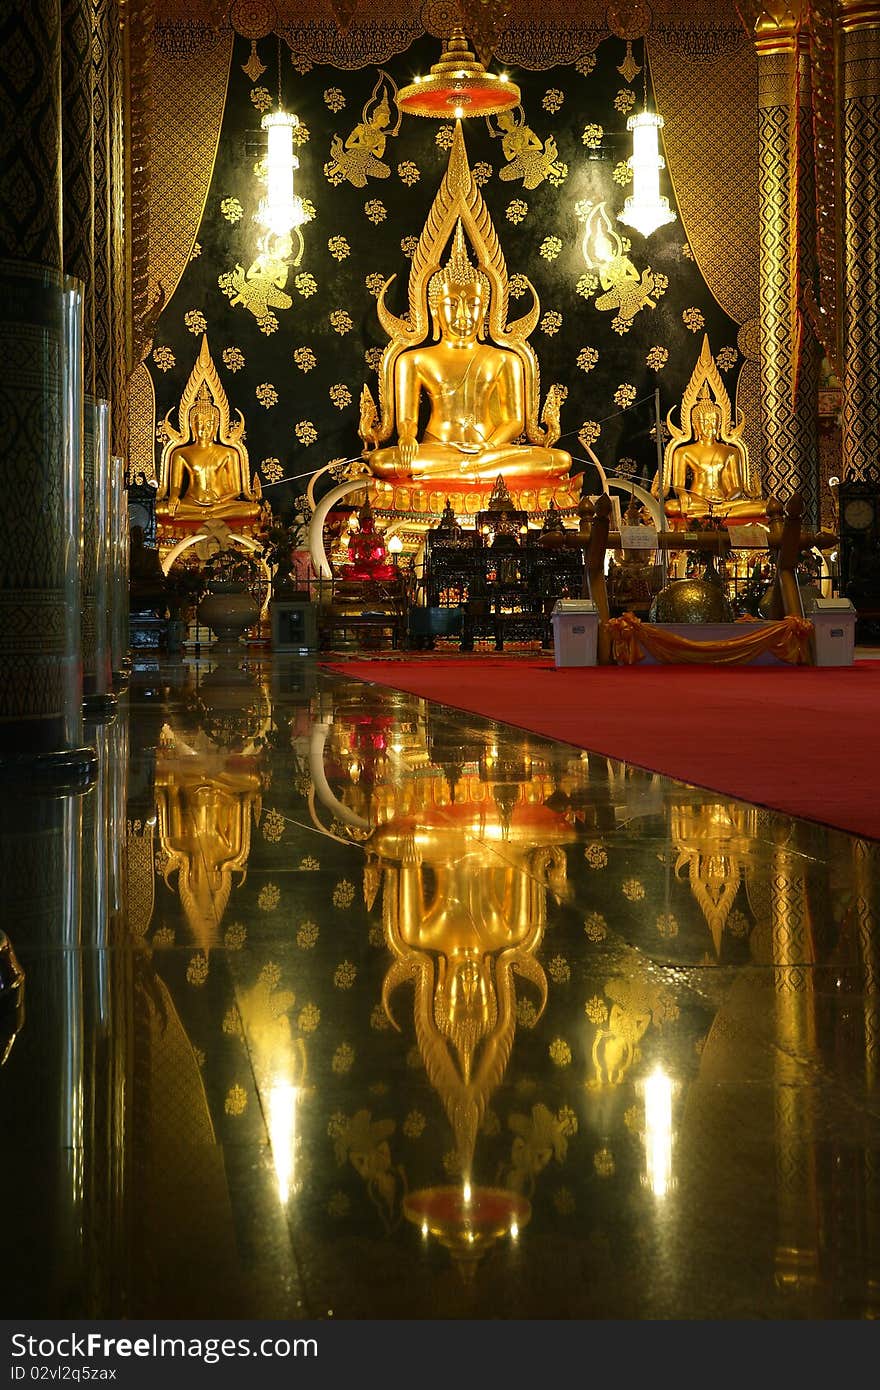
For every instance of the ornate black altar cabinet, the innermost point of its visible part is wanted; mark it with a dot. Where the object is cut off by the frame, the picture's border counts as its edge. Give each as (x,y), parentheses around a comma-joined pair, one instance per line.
(495,583)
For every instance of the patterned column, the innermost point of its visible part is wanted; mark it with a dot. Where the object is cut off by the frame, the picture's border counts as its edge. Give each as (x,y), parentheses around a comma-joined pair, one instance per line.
(119,553)
(40,723)
(98,700)
(101,107)
(787,258)
(860,131)
(78,165)
(119,255)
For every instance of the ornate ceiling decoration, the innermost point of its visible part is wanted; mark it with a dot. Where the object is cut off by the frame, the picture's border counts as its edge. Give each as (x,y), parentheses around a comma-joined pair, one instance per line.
(350,33)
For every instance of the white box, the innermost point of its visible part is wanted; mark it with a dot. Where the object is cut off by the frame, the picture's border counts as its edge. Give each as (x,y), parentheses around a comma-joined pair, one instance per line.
(834,622)
(575,632)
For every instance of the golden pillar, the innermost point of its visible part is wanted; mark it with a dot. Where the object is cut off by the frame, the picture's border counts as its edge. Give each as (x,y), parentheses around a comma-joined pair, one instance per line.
(40,400)
(859,28)
(790,356)
(797,1255)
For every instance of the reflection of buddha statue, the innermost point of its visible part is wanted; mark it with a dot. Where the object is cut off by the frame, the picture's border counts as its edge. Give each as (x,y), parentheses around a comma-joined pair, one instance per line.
(205,804)
(706,463)
(479,375)
(464,910)
(204,472)
(714,842)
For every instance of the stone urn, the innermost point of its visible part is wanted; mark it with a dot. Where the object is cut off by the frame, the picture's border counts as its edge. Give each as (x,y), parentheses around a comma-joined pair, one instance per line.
(228,610)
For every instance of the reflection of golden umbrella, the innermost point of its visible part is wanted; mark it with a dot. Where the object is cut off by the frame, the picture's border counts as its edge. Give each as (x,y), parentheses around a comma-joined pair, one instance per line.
(467,1221)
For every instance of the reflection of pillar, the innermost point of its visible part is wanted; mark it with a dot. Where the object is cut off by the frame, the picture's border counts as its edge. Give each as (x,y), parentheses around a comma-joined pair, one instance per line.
(787,215)
(40,892)
(39,503)
(860,61)
(106,991)
(793,965)
(866,904)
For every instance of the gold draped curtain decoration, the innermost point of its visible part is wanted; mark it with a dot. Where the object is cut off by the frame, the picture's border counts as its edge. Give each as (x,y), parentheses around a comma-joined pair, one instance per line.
(788,640)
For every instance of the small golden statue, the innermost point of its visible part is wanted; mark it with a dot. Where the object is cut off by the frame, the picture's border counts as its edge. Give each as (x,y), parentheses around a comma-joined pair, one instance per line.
(204,471)
(480,374)
(706,462)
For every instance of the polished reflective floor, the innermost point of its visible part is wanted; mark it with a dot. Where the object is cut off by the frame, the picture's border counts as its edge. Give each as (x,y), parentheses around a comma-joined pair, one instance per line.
(342,1004)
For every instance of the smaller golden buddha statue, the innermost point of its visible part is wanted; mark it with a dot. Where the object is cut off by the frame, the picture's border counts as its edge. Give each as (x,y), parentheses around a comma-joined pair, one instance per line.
(204,471)
(706,462)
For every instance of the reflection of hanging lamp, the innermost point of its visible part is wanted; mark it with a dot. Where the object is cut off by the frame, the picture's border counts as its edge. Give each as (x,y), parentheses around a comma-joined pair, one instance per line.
(646,209)
(458,85)
(281,210)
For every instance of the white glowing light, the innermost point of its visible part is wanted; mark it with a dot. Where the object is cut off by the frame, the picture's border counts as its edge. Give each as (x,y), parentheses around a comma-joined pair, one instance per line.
(459,112)
(514,1230)
(281,1122)
(658,1132)
(395,545)
(647,209)
(281,210)
(466,1193)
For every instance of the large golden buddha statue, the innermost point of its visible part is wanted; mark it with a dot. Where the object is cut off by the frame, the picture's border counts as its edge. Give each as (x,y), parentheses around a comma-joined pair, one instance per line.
(478,373)
(204,471)
(706,461)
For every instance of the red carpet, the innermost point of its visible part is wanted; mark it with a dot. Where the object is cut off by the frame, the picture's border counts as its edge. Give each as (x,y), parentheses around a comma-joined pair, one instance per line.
(801,740)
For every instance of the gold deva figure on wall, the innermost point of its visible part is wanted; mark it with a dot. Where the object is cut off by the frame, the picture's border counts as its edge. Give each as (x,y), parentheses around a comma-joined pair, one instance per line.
(529,158)
(479,375)
(204,471)
(706,462)
(360,157)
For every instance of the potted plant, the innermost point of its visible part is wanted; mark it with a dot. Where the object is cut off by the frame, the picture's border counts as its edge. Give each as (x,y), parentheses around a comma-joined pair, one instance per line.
(229,607)
(283,552)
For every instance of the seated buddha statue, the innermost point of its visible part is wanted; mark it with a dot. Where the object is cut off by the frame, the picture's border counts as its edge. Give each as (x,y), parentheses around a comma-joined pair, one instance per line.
(204,471)
(706,461)
(476,393)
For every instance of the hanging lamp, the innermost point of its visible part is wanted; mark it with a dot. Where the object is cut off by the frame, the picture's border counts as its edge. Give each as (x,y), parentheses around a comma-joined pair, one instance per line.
(281,210)
(458,86)
(647,208)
